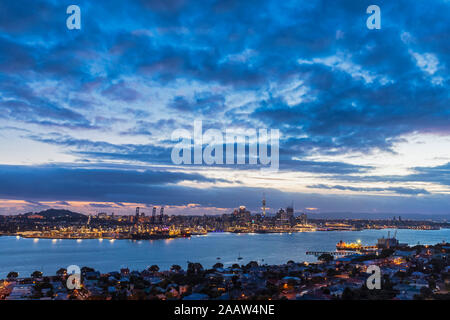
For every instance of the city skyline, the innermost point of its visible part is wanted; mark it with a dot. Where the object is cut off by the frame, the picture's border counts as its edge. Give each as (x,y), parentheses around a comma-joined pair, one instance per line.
(88,114)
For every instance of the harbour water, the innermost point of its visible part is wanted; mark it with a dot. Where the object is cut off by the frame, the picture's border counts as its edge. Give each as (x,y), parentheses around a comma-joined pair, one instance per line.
(47,255)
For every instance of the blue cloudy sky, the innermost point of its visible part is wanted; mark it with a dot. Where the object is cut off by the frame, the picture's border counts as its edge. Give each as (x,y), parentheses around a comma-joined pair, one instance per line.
(87,115)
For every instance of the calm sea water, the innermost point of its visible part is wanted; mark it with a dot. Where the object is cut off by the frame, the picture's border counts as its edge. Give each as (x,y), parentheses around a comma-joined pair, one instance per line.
(46,255)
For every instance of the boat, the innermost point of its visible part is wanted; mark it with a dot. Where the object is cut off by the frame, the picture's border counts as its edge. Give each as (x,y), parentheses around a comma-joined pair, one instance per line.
(353,246)
(158,236)
(341,245)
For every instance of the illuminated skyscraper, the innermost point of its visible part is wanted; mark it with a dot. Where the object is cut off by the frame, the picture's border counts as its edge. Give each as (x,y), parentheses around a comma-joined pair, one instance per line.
(153,215)
(137,212)
(290,212)
(303,218)
(264,205)
(161,215)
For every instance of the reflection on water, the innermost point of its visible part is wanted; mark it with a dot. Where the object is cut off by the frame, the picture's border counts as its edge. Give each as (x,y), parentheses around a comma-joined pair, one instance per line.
(47,255)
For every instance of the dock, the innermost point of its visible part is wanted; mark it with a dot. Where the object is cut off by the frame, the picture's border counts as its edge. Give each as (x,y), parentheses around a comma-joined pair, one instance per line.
(333,253)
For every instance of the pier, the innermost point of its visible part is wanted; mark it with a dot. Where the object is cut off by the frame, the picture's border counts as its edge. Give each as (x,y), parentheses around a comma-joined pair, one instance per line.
(333,253)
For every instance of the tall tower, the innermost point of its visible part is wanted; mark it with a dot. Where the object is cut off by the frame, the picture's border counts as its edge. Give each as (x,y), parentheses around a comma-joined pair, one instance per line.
(161,215)
(154,215)
(264,205)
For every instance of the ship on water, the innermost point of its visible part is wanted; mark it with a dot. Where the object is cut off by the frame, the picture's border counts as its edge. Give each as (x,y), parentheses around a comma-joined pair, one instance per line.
(159,235)
(353,246)
(382,243)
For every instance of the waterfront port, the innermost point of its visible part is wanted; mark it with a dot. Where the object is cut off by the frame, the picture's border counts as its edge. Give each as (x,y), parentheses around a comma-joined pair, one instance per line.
(383,243)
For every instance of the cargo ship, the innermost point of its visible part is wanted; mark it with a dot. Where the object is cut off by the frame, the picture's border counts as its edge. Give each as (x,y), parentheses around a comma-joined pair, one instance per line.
(341,245)
(383,243)
(159,235)
(353,246)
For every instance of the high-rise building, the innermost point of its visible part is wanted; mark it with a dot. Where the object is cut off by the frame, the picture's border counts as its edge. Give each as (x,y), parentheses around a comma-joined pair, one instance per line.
(290,212)
(284,217)
(161,215)
(242,214)
(137,212)
(281,214)
(264,205)
(153,215)
(303,218)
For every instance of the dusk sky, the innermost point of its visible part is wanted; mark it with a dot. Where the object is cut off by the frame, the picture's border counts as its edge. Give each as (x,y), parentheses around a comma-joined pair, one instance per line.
(87,115)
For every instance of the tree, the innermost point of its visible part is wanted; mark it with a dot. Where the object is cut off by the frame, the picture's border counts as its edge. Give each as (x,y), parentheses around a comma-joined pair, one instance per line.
(175,268)
(84,270)
(12,275)
(194,268)
(36,274)
(218,265)
(61,272)
(153,268)
(252,264)
(326,257)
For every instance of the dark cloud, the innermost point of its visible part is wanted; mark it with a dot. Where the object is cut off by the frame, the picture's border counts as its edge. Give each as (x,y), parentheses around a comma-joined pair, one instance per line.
(120,91)
(322,167)
(438,174)
(203,103)
(47,183)
(59,183)
(98,150)
(399,190)
(100,205)
(35,203)
(209,41)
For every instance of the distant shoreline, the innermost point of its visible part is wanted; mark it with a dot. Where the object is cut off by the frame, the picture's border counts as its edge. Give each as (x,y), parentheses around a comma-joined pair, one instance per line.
(185,237)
